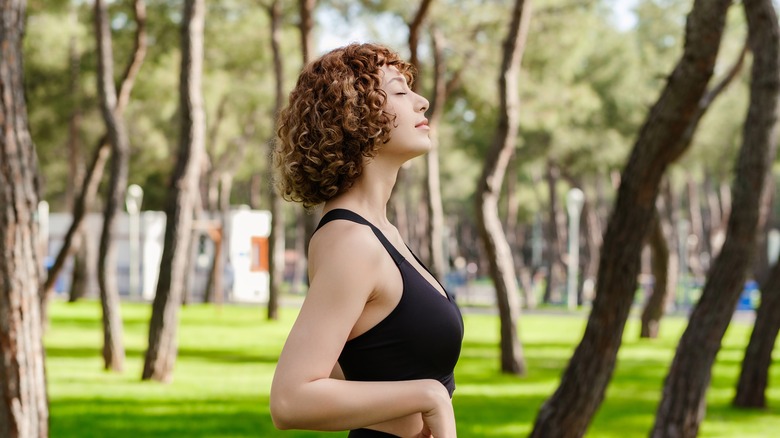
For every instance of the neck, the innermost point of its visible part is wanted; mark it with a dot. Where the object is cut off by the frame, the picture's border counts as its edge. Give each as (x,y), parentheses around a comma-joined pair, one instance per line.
(370,193)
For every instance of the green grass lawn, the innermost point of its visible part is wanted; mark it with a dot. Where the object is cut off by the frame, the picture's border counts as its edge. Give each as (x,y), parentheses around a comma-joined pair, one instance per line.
(227,357)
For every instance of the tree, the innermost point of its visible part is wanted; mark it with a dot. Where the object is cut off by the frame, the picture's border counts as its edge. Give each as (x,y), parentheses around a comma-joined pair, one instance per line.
(94,172)
(162,348)
(489,187)
(664,267)
(663,274)
(24,410)
(435,223)
(570,409)
(683,402)
(275,202)
(754,376)
(113,348)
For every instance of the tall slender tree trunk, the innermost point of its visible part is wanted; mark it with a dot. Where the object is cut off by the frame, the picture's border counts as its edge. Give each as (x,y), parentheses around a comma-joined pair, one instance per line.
(683,403)
(75,154)
(554,230)
(754,376)
(94,172)
(113,347)
(275,202)
(664,269)
(306,26)
(307,220)
(162,349)
(24,410)
(435,223)
(697,251)
(568,412)
(84,279)
(488,191)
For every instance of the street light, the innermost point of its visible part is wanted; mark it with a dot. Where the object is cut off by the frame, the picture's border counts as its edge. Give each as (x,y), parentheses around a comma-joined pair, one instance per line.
(773,246)
(574,200)
(133,199)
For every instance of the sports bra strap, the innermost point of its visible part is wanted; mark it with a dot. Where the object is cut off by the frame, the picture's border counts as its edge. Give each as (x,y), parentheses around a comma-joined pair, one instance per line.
(349,215)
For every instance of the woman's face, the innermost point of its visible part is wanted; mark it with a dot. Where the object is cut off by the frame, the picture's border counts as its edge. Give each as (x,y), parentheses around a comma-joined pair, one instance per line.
(409,136)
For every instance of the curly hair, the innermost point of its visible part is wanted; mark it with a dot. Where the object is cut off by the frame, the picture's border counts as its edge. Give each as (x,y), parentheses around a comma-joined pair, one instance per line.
(334,119)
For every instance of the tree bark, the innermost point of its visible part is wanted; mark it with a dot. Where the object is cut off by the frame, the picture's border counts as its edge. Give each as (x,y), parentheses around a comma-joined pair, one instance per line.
(162,349)
(24,410)
(488,191)
(683,402)
(113,347)
(568,412)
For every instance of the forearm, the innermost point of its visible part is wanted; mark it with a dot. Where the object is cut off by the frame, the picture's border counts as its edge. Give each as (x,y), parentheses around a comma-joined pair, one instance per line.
(330,404)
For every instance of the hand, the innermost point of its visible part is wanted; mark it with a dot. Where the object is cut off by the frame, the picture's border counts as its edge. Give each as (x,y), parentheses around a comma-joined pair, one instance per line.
(439,421)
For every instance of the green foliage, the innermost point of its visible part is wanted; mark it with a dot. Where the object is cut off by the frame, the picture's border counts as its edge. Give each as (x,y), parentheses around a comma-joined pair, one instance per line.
(227,357)
(586,84)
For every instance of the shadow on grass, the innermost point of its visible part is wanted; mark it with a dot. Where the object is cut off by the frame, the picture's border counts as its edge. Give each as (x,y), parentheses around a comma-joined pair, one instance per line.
(222,356)
(170,418)
(132,418)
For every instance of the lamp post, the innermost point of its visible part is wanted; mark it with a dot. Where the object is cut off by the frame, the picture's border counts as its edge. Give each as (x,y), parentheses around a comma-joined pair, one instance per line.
(574,200)
(133,199)
(773,246)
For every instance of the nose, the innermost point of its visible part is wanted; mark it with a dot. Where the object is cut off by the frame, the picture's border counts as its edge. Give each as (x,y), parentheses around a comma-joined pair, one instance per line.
(424,104)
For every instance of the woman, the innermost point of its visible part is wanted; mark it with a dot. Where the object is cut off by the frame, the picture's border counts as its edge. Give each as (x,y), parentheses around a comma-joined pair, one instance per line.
(377,338)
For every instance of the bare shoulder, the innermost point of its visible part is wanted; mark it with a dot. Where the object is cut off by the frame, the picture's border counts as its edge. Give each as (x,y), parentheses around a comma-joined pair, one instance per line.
(344,242)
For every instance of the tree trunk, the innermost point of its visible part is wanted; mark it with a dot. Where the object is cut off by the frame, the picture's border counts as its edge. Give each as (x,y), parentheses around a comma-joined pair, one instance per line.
(435,222)
(594,232)
(414,38)
(664,269)
(683,403)
(75,154)
(754,377)
(162,349)
(84,279)
(113,348)
(24,410)
(306,25)
(307,220)
(101,153)
(555,238)
(275,202)
(82,204)
(697,249)
(488,191)
(568,412)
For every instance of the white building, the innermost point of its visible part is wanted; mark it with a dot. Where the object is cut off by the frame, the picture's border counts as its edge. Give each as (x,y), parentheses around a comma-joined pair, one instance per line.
(138,254)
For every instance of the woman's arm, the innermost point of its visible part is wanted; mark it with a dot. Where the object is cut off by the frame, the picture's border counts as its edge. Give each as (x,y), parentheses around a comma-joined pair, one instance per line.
(345,263)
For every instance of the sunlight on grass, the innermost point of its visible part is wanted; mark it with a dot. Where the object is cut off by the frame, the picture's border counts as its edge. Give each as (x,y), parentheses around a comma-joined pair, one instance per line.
(227,357)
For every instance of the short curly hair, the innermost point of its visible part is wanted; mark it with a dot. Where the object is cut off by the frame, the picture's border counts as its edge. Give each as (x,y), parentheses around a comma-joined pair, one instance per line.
(334,119)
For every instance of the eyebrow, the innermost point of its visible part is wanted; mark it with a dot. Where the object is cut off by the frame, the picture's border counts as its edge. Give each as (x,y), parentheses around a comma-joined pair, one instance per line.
(397,78)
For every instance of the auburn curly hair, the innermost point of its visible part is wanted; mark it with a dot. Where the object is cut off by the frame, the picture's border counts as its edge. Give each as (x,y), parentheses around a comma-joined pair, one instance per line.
(334,119)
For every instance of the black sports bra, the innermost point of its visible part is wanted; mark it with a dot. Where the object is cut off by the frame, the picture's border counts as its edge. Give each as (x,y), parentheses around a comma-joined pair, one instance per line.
(420,339)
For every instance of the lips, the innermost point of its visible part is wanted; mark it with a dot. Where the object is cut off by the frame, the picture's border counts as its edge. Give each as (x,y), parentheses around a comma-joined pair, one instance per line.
(422,123)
